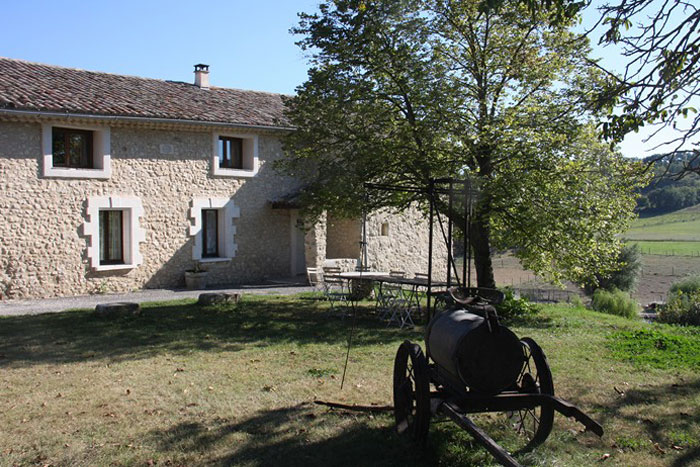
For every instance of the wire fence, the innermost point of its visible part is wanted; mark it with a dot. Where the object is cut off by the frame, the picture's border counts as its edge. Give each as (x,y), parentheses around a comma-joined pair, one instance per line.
(546,295)
(669,252)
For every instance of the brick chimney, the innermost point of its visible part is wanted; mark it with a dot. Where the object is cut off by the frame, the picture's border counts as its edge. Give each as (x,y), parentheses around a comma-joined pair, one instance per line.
(201,75)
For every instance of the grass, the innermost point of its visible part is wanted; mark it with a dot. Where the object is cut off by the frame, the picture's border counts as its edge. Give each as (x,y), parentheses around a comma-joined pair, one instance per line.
(669,248)
(689,214)
(657,349)
(688,231)
(186,385)
(676,233)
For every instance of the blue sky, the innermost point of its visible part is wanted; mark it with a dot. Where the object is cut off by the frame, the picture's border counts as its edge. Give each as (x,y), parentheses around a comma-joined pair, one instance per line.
(247,44)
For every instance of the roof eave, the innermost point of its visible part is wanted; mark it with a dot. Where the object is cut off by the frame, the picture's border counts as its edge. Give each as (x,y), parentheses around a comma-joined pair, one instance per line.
(132,119)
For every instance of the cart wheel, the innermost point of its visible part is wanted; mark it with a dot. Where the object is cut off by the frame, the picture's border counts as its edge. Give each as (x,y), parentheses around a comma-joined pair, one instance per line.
(535,377)
(411,392)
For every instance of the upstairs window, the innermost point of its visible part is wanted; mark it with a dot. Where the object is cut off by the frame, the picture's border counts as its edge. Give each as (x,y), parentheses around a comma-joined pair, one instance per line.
(234,155)
(111,237)
(230,153)
(75,152)
(72,148)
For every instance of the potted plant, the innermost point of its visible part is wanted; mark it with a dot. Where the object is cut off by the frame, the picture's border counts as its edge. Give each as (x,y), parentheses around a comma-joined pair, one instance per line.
(196,278)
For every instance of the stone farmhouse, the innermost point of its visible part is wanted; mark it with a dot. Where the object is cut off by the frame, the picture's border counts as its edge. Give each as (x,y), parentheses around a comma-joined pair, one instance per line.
(113,183)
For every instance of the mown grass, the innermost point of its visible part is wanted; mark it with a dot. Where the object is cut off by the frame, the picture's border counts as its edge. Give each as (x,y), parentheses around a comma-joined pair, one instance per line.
(679,231)
(669,248)
(675,233)
(186,385)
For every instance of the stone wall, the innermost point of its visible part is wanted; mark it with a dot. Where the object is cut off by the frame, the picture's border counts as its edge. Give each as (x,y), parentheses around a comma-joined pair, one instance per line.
(343,237)
(43,250)
(395,241)
(405,245)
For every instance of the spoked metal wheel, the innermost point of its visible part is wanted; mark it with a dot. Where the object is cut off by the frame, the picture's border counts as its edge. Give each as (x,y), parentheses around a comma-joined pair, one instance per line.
(411,392)
(535,423)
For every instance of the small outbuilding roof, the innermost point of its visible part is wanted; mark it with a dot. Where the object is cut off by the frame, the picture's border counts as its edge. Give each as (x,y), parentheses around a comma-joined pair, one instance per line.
(46,88)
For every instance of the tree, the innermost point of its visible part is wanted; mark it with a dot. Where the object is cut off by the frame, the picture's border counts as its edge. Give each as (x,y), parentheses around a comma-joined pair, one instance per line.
(659,82)
(402,91)
(624,277)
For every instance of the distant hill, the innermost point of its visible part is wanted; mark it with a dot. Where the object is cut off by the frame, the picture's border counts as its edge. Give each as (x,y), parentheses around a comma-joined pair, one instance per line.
(668,193)
(683,225)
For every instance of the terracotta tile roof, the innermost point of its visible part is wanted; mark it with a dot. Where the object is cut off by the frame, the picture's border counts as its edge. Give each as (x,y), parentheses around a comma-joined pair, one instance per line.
(33,86)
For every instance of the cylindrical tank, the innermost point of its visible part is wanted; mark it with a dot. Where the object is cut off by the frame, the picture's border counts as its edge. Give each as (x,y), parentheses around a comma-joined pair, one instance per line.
(487,361)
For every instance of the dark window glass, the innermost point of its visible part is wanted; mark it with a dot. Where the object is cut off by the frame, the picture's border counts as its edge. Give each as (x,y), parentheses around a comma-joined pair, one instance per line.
(111,237)
(210,233)
(72,148)
(230,153)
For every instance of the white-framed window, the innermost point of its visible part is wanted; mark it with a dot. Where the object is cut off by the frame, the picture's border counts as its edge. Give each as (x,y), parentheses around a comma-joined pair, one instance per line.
(75,151)
(115,232)
(234,155)
(212,229)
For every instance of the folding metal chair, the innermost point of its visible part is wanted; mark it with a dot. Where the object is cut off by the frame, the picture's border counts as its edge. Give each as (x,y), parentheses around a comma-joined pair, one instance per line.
(315,278)
(336,290)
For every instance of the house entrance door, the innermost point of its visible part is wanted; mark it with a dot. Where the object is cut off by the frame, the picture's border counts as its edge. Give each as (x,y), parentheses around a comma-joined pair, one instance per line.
(297,244)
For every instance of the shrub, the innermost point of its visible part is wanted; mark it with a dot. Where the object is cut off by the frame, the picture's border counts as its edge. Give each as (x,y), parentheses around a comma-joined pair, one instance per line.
(681,308)
(625,278)
(576,301)
(686,286)
(615,302)
(514,308)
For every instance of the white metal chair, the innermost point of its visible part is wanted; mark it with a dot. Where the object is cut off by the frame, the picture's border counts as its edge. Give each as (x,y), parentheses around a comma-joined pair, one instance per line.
(335,288)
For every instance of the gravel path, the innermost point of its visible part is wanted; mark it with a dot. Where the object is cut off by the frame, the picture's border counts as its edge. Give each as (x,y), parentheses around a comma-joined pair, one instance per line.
(54,305)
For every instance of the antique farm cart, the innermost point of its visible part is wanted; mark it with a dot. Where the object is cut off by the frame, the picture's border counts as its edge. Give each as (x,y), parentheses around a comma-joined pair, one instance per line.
(474,364)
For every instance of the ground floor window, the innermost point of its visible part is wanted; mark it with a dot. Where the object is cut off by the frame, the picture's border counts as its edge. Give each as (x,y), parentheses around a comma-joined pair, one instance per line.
(113,231)
(212,229)
(112,237)
(210,233)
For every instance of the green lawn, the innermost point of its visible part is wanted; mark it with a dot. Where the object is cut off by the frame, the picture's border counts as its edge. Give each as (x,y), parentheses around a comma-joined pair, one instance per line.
(676,233)
(687,231)
(669,248)
(186,385)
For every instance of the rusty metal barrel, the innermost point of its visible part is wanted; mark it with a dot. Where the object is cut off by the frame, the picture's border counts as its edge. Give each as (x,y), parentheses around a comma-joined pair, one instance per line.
(487,358)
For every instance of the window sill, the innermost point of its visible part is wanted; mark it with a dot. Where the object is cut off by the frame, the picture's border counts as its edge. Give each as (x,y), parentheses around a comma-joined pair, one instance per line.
(114,267)
(60,172)
(242,173)
(214,260)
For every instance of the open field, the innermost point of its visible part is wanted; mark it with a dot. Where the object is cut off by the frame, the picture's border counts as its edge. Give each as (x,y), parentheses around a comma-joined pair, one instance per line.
(675,234)
(657,275)
(186,385)
(676,231)
(683,215)
(669,248)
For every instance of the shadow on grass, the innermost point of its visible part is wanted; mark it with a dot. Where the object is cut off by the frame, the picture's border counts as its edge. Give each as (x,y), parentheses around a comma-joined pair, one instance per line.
(178,328)
(292,436)
(636,407)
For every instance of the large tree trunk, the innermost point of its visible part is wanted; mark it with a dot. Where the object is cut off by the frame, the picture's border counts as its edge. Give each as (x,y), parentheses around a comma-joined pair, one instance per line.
(482,253)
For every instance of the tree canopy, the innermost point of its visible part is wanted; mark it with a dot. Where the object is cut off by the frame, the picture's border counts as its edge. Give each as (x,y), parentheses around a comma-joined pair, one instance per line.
(657,81)
(401,91)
